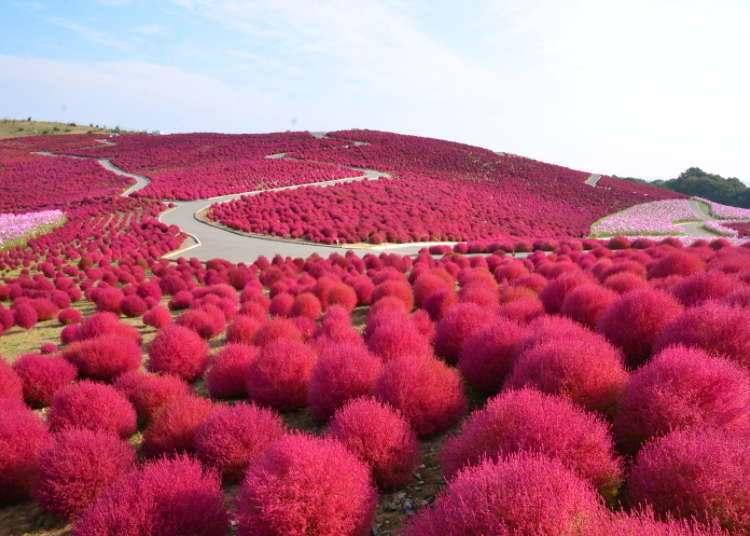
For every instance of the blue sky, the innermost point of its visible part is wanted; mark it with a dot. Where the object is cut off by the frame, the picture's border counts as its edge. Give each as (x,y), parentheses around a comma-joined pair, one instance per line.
(642,88)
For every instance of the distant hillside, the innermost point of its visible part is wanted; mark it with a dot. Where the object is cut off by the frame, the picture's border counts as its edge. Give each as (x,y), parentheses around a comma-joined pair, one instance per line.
(16,128)
(695,181)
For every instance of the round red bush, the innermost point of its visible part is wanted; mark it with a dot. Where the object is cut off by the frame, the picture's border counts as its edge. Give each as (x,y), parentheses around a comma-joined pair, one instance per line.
(108,299)
(644,523)
(438,301)
(93,406)
(275,329)
(243,329)
(149,392)
(343,371)
(676,263)
(77,466)
(380,437)
(25,316)
(106,324)
(396,288)
(634,320)
(69,316)
(426,391)
(695,472)
(586,303)
(682,387)
(42,377)
(306,304)
(23,436)
(523,309)
(487,356)
(104,357)
(280,376)
(48,348)
(172,430)
(342,295)
(205,323)
(720,330)
(281,304)
(587,371)
(624,281)
(181,300)
(229,369)
(458,323)
(133,306)
(157,317)
(233,435)
(522,495)
(11,386)
(554,294)
(704,286)
(527,420)
(395,335)
(168,497)
(180,351)
(304,485)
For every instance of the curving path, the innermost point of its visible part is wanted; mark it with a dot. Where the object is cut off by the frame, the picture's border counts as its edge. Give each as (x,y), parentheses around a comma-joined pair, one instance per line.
(593,179)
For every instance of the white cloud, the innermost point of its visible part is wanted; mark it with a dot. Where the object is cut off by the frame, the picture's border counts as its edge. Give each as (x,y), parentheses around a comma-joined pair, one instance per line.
(149,29)
(94,35)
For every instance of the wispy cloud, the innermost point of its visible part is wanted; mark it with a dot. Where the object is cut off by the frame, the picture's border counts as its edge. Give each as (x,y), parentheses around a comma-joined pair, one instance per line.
(94,35)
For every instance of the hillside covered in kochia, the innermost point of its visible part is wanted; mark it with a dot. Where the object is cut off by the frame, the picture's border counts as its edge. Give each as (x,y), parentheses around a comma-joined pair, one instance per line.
(696,182)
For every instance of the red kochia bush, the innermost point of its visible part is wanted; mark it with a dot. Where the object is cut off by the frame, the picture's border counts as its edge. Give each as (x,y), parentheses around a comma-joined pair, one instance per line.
(77,466)
(304,485)
(149,392)
(634,320)
(106,323)
(527,420)
(343,371)
(279,377)
(42,377)
(644,524)
(554,294)
(25,315)
(230,438)
(307,304)
(104,357)
(23,436)
(703,286)
(157,317)
(522,495)
(180,351)
(243,329)
(587,370)
(487,356)
(342,295)
(168,497)
(205,323)
(458,323)
(719,329)
(11,386)
(395,335)
(395,288)
(69,316)
(586,303)
(274,329)
(133,306)
(229,369)
(695,472)
(677,263)
(682,387)
(173,428)
(93,406)
(426,391)
(380,437)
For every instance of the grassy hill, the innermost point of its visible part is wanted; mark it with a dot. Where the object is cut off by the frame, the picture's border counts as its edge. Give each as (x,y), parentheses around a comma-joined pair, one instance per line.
(16,128)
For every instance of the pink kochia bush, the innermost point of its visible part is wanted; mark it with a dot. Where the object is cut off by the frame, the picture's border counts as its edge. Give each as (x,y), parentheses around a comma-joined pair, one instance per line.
(229,369)
(395,335)
(634,320)
(682,387)
(523,495)
(458,323)
(168,497)
(304,485)
(486,357)
(643,523)
(11,386)
(93,406)
(426,391)
(173,428)
(280,376)
(230,438)
(718,329)
(149,392)
(180,351)
(527,420)
(77,466)
(586,303)
(695,472)
(104,357)
(242,330)
(157,317)
(42,377)
(23,436)
(379,436)
(343,371)
(587,370)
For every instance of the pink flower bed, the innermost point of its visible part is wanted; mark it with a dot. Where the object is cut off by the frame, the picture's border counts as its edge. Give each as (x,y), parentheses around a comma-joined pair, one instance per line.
(726,211)
(228,177)
(653,217)
(14,226)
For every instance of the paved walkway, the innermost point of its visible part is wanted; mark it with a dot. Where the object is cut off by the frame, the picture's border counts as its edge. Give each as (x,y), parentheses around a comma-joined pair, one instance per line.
(593,179)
